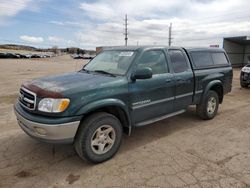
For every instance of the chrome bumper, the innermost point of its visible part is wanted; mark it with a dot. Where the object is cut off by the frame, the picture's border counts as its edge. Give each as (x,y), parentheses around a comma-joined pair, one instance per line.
(53,133)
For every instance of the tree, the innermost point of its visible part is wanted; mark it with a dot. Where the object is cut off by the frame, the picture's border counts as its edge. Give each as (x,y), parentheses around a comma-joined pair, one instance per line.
(55,50)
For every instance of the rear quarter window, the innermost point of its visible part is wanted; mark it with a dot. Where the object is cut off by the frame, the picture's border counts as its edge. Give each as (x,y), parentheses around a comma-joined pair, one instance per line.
(219,59)
(202,59)
(208,59)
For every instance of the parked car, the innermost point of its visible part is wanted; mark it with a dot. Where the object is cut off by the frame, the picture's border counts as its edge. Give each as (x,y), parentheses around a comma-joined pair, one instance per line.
(122,88)
(11,56)
(28,55)
(22,56)
(77,56)
(35,56)
(245,76)
(88,56)
(2,55)
(46,56)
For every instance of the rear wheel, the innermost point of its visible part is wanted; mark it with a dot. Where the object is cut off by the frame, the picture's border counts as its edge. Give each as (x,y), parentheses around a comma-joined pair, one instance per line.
(99,137)
(208,108)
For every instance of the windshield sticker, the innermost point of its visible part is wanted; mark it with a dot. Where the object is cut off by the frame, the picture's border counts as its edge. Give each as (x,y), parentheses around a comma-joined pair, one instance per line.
(128,54)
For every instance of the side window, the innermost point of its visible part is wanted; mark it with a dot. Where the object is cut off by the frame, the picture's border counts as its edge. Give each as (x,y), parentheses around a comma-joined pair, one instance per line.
(219,58)
(156,60)
(202,59)
(179,61)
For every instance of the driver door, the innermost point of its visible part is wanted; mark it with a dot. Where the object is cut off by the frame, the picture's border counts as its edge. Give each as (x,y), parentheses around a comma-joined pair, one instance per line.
(154,97)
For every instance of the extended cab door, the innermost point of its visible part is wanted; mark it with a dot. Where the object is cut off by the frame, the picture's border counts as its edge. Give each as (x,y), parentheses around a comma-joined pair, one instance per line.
(151,98)
(184,79)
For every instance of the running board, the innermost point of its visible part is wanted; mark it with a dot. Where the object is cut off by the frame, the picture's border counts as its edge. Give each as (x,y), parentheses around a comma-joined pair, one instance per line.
(159,118)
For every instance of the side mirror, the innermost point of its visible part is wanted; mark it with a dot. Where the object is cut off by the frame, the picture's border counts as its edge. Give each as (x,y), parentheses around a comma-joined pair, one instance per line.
(142,73)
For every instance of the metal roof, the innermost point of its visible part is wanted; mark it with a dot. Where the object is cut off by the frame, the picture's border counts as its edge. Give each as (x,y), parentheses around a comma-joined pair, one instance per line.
(245,40)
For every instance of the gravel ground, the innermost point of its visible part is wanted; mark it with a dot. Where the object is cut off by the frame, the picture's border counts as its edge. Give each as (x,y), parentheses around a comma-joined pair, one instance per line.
(181,151)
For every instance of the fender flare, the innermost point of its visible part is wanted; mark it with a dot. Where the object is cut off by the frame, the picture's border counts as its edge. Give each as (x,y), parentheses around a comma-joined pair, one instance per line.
(211,84)
(91,107)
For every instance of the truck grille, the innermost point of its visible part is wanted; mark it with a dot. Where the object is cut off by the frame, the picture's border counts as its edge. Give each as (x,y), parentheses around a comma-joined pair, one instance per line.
(27,99)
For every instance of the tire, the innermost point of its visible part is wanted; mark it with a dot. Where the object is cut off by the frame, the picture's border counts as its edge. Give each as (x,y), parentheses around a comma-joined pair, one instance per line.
(243,85)
(208,108)
(98,137)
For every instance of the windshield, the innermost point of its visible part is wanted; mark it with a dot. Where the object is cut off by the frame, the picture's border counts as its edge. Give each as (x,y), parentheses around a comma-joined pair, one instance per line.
(114,62)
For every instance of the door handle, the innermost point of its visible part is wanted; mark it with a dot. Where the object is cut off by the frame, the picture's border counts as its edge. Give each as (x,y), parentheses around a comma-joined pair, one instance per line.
(181,80)
(168,80)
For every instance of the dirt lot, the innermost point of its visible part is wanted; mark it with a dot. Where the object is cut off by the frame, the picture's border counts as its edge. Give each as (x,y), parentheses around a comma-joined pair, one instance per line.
(182,151)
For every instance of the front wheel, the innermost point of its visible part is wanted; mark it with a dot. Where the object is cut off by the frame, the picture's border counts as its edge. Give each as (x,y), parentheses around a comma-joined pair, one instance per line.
(243,85)
(99,137)
(208,108)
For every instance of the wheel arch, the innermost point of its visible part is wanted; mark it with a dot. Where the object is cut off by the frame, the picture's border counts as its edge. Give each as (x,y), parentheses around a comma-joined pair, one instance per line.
(217,87)
(112,106)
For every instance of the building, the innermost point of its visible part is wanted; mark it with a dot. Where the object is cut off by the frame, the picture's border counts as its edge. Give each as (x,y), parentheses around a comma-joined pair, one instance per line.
(101,48)
(238,50)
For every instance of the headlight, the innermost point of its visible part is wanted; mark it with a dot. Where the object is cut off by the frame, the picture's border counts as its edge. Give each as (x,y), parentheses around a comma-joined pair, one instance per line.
(246,69)
(53,105)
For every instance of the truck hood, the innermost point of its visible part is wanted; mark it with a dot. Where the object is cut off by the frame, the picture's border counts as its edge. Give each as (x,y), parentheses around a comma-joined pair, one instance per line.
(56,86)
(246,69)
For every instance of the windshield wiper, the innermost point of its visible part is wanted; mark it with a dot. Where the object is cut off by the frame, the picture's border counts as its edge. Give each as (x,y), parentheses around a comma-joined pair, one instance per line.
(104,72)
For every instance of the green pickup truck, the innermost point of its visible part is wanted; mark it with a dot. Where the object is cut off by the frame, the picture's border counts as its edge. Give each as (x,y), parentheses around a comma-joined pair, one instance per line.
(122,88)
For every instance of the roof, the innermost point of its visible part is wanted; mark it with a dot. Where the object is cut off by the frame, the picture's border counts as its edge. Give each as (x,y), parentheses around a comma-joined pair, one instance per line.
(204,49)
(121,47)
(245,40)
(131,47)
(166,47)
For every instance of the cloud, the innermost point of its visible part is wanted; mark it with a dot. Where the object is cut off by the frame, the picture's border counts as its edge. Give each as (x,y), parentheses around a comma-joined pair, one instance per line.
(98,10)
(31,39)
(57,22)
(195,22)
(65,23)
(55,39)
(9,8)
(101,22)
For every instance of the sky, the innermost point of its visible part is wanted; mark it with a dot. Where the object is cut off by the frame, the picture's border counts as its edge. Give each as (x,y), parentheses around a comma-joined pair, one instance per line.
(87,24)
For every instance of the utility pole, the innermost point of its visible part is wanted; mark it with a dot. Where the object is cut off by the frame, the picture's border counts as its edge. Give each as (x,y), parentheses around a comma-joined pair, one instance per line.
(170,35)
(126,30)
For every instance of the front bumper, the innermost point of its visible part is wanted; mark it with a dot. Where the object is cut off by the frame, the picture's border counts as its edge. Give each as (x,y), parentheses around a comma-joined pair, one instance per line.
(51,133)
(245,77)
